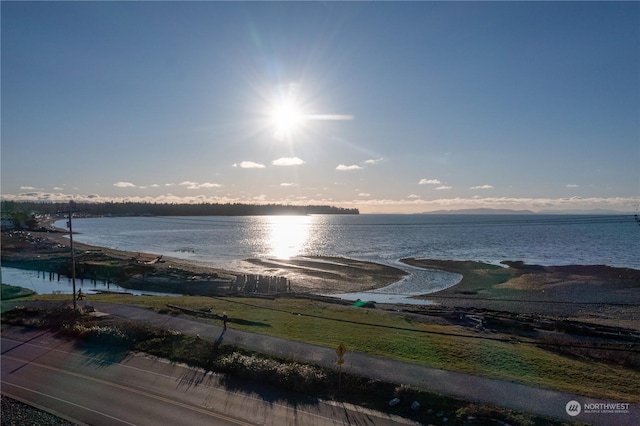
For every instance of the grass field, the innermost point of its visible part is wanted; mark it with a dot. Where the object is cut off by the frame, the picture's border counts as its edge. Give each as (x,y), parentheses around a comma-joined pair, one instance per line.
(13,292)
(403,337)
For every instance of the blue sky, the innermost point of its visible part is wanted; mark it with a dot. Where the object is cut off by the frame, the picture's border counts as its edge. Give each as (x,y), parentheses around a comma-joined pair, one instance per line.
(395,107)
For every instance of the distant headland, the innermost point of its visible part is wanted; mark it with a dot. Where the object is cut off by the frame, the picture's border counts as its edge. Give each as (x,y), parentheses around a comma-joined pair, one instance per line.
(166,209)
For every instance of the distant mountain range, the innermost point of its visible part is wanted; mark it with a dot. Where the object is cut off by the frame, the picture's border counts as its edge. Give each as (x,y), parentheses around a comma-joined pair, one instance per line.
(510,211)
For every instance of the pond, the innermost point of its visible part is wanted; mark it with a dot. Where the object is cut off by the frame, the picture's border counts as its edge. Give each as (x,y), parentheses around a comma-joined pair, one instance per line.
(51,283)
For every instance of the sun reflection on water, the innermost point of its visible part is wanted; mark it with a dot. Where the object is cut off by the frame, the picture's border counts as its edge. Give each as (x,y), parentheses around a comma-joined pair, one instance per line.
(288,235)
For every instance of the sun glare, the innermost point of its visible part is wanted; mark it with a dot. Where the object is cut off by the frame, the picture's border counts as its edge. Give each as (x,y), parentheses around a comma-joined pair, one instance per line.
(289,113)
(286,119)
(288,235)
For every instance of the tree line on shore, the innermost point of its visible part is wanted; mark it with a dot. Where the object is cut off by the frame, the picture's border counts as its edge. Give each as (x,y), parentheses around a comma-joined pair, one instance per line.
(11,209)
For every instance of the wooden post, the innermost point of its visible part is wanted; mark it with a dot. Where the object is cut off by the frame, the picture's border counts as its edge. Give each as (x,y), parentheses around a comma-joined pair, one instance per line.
(340,351)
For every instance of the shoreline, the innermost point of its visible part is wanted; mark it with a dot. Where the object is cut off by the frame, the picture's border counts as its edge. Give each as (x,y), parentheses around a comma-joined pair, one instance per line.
(49,248)
(596,293)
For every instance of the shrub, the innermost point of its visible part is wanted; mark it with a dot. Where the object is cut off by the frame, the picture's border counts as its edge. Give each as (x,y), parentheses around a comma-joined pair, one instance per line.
(106,334)
(292,375)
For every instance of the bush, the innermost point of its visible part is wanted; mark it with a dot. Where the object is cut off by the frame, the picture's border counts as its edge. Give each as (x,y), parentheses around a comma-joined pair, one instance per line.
(55,318)
(104,334)
(291,375)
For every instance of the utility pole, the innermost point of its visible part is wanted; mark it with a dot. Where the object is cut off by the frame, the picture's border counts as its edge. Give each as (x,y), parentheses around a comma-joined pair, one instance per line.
(73,257)
(340,351)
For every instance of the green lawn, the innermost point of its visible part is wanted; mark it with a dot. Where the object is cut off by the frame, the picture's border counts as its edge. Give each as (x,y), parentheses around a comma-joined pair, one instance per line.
(10,292)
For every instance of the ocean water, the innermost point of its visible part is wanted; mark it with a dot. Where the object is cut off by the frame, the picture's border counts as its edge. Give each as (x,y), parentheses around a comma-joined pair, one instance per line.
(221,241)
(225,242)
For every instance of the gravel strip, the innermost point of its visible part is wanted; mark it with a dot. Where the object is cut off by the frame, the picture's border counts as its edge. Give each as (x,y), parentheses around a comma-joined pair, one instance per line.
(15,413)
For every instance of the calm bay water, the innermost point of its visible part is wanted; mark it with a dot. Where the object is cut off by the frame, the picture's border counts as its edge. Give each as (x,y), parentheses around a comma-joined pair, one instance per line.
(221,241)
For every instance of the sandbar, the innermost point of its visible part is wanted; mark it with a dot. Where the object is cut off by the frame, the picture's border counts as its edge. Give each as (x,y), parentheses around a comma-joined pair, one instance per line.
(594,293)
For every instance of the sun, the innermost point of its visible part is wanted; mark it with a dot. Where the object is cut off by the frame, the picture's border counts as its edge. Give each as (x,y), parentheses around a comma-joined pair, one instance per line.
(288,111)
(287,118)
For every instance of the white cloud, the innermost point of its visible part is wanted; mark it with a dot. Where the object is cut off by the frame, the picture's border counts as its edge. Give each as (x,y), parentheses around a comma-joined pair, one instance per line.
(623,204)
(429,182)
(413,204)
(196,185)
(372,161)
(57,188)
(343,167)
(572,185)
(364,194)
(154,185)
(288,161)
(482,187)
(124,185)
(288,184)
(413,196)
(28,188)
(249,165)
(443,187)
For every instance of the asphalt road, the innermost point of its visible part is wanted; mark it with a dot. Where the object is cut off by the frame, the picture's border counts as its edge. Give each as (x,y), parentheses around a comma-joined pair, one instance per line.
(473,388)
(90,387)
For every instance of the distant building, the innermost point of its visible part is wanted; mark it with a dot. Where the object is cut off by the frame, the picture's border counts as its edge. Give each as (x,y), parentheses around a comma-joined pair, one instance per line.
(19,223)
(7,224)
